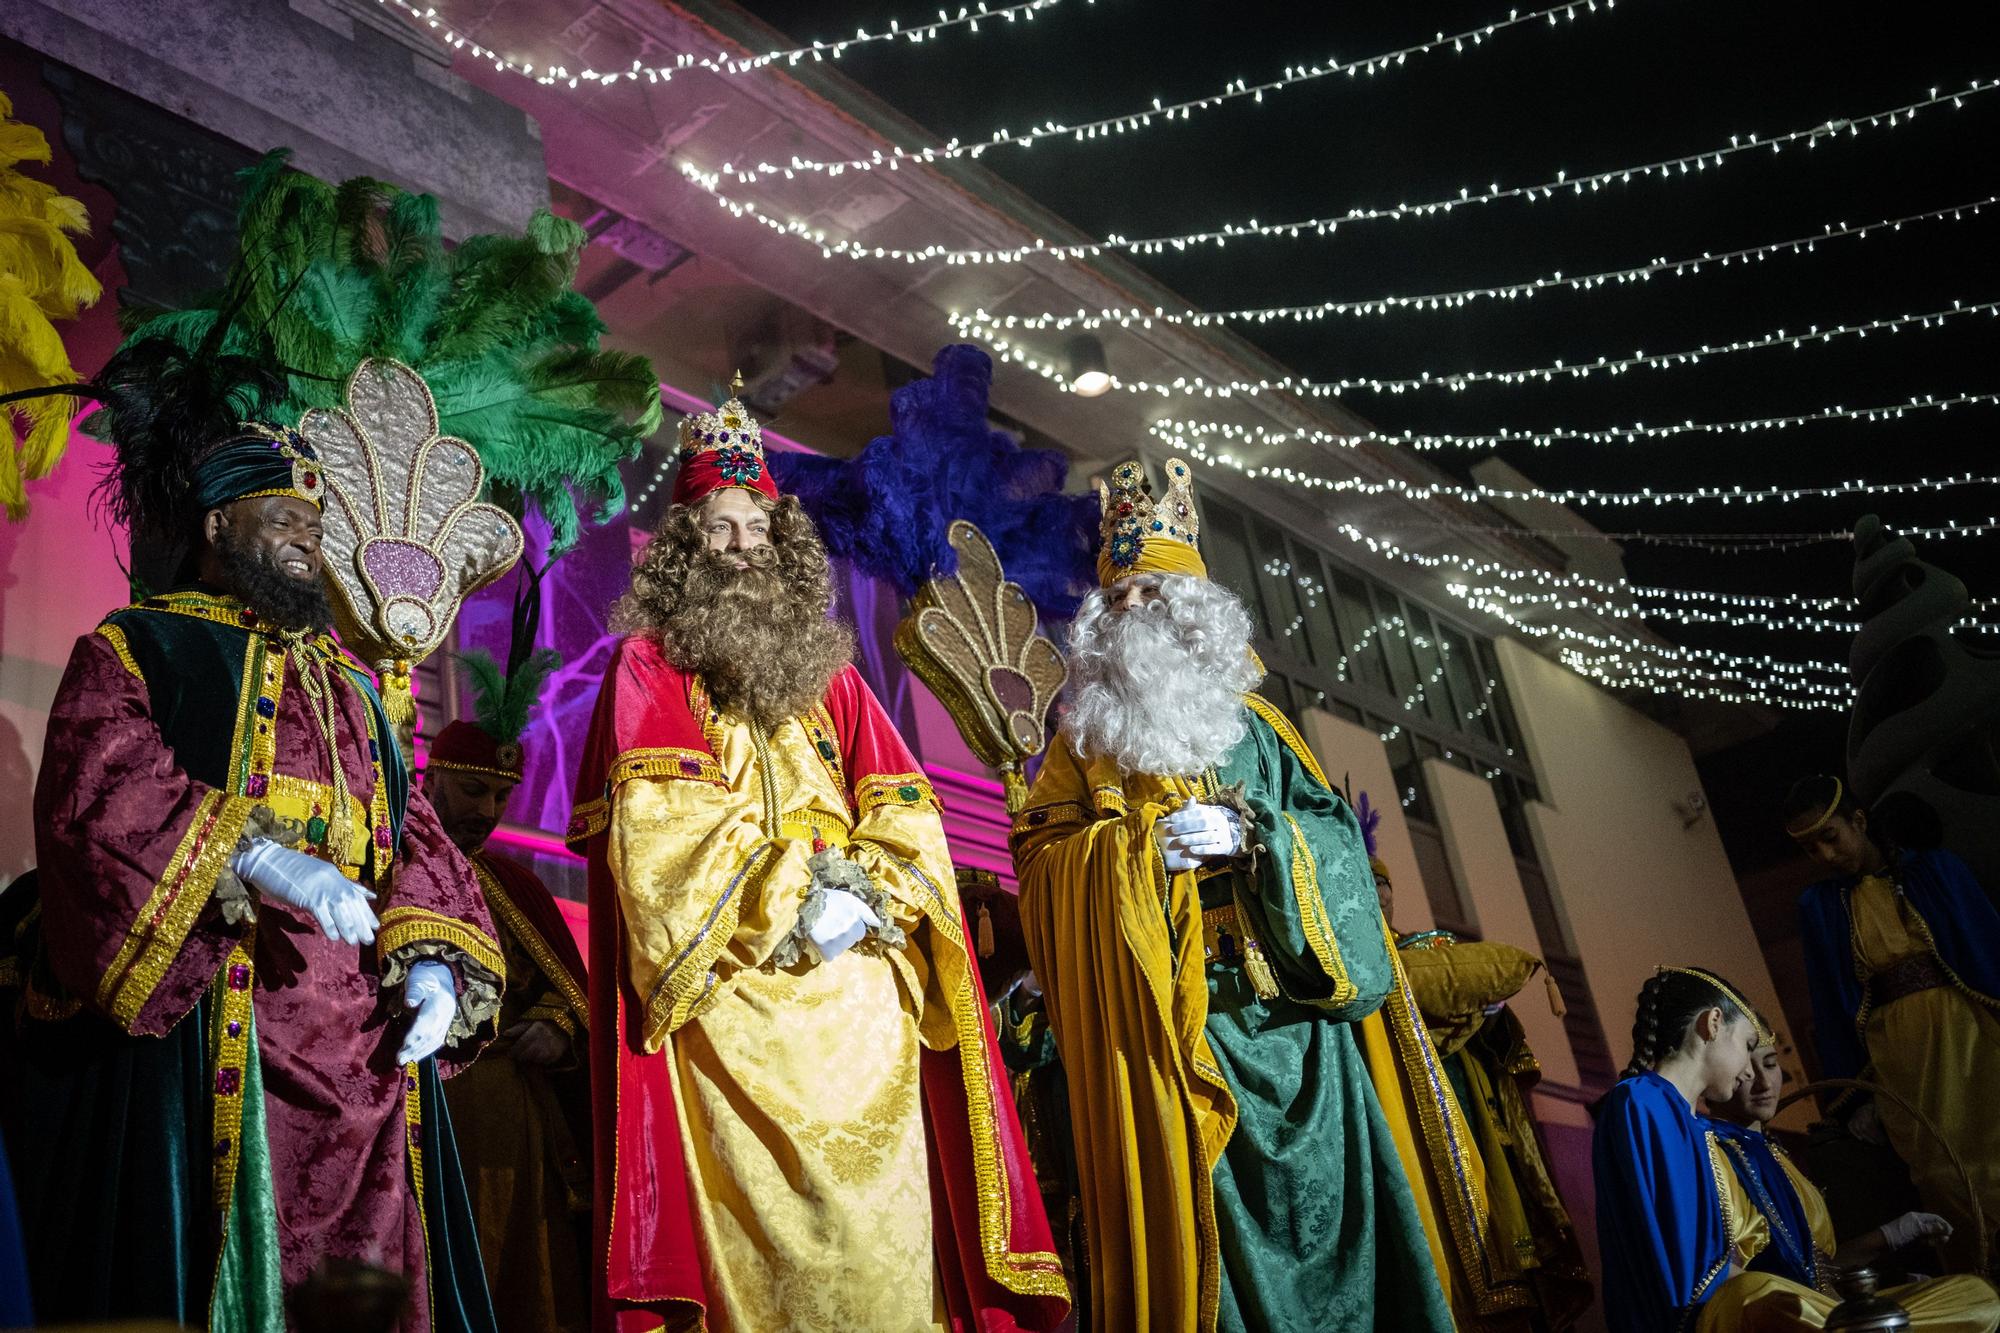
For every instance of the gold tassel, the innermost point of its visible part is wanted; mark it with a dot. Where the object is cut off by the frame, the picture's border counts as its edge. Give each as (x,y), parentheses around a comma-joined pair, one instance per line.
(1014,787)
(400,704)
(1258,969)
(985,932)
(1556,1005)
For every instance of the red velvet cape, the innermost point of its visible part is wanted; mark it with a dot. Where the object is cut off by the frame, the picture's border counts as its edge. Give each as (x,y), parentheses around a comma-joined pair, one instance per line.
(648,1255)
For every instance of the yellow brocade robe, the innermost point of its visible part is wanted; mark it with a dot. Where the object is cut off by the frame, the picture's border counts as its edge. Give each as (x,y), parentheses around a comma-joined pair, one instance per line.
(1941,1049)
(1767,1303)
(798,1088)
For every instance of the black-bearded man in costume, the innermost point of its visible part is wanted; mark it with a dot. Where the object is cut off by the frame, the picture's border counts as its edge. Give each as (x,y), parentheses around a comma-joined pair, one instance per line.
(251,946)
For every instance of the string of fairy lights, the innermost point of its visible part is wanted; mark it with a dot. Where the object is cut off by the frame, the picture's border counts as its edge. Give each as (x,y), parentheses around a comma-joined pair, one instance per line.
(1328,224)
(1186,386)
(1161,112)
(1192,435)
(722,63)
(1532,601)
(987,326)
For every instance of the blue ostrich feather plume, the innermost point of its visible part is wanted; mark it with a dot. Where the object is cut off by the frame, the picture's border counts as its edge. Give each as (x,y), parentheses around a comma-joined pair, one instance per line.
(888,508)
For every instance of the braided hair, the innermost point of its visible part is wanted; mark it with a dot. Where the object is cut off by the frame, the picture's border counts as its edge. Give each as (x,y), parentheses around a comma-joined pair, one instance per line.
(1669,1002)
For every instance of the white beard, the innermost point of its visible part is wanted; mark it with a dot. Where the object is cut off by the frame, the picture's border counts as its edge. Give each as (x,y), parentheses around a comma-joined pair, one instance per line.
(1160,688)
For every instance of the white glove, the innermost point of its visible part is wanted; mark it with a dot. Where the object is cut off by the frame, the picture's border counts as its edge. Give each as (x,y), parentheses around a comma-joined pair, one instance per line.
(311,885)
(432,991)
(1913,1227)
(1866,1124)
(1196,833)
(843,920)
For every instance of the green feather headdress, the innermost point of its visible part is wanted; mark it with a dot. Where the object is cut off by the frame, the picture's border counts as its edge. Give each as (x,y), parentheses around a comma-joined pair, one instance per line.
(325,276)
(502,700)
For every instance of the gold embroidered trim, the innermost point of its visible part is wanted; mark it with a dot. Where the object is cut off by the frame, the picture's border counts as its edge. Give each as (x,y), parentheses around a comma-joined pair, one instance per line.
(591,818)
(1033,1273)
(299,799)
(807,823)
(687,983)
(1312,919)
(552,1011)
(511,919)
(1447,1139)
(162,925)
(1110,798)
(289,492)
(1289,734)
(116,638)
(446,766)
(1052,815)
(825,739)
(413,1123)
(220,610)
(1716,1166)
(403,927)
(256,735)
(900,789)
(229,1046)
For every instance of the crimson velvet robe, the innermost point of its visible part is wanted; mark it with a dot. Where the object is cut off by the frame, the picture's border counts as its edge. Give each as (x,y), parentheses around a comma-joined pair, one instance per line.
(156,1182)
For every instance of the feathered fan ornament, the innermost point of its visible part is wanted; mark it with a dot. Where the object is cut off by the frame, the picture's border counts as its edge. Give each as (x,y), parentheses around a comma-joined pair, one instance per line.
(443,392)
(407,537)
(327,276)
(973,638)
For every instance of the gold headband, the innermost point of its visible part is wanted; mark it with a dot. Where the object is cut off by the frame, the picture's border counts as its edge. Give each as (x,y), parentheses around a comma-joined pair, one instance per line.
(1764,1034)
(1839,793)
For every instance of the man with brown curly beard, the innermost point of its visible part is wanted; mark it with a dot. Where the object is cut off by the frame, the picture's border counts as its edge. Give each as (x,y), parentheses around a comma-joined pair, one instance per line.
(811,1126)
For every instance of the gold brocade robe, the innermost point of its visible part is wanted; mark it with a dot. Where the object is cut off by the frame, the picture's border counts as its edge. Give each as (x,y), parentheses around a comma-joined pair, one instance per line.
(798,1088)
(1941,1049)
(1758,1302)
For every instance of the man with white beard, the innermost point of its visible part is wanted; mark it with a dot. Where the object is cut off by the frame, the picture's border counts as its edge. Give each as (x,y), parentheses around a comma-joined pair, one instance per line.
(1198,906)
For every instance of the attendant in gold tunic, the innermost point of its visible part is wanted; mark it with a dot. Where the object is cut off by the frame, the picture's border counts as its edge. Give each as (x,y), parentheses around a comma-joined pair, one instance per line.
(1903,958)
(1782,1234)
(1536,1278)
(811,1129)
(522,1111)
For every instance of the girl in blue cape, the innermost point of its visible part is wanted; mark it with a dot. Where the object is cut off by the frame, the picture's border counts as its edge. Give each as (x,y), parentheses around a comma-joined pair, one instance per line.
(1660,1225)
(1784,1234)
(1903,963)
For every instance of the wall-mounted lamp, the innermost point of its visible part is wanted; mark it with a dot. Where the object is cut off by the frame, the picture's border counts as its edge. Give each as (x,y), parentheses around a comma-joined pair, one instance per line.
(1088,373)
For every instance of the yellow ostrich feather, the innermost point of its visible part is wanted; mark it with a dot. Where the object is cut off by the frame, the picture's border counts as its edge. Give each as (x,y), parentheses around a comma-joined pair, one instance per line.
(41,280)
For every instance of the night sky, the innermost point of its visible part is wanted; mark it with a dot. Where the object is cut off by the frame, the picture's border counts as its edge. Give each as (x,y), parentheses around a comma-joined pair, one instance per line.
(1645,81)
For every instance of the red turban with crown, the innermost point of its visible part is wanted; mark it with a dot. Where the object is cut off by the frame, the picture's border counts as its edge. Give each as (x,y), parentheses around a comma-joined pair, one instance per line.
(720,449)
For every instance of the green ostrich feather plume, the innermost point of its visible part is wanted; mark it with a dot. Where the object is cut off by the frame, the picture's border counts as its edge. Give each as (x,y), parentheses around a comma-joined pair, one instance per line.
(327,275)
(501,701)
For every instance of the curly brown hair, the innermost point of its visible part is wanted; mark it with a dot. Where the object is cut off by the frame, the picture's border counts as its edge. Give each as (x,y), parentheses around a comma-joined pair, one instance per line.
(760,638)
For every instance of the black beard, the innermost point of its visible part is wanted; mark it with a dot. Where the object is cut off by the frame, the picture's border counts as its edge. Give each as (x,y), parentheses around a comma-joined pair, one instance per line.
(278,599)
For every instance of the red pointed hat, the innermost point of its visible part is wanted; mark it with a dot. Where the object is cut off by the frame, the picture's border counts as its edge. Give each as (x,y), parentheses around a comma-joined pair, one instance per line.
(720,449)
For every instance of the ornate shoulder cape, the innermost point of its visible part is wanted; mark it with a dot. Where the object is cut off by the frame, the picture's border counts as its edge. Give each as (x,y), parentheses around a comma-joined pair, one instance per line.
(1660,1227)
(994,1251)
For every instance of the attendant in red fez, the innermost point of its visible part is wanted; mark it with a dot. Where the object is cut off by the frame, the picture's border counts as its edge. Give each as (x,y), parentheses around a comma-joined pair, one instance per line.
(806,1125)
(522,1112)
